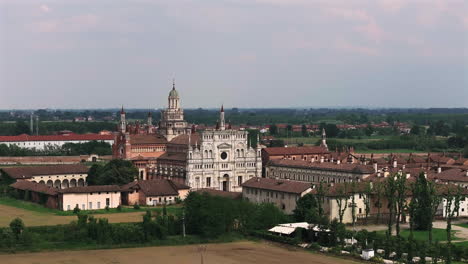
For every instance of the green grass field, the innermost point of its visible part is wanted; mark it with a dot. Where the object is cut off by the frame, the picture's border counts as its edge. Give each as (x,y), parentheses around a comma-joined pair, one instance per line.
(437,235)
(173,209)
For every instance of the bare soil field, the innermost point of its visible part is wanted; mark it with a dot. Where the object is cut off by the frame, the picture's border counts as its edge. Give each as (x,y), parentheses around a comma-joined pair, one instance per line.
(31,218)
(229,253)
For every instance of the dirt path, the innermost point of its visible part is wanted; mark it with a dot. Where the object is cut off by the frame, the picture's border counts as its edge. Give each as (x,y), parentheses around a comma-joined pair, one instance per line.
(244,252)
(461,232)
(31,218)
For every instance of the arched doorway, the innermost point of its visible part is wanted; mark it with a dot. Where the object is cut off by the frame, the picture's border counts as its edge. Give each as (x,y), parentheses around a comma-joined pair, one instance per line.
(65,184)
(57,184)
(80,182)
(72,183)
(50,183)
(226,182)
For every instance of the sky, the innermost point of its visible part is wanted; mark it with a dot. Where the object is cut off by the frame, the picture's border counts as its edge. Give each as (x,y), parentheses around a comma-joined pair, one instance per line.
(240,53)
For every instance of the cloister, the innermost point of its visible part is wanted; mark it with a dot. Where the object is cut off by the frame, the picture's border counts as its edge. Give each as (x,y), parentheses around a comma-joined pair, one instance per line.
(61,182)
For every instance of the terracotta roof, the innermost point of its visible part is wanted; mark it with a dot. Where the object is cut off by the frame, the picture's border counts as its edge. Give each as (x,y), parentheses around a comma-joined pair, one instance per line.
(147,139)
(295,150)
(454,175)
(64,137)
(277,185)
(327,166)
(173,156)
(213,192)
(91,189)
(30,171)
(184,139)
(34,187)
(345,188)
(156,187)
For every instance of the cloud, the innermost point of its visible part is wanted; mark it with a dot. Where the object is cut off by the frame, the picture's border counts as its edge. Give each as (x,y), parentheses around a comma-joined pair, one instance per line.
(80,23)
(346,46)
(372,31)
(44,8)
(393,5)
(350,14)
(465,22)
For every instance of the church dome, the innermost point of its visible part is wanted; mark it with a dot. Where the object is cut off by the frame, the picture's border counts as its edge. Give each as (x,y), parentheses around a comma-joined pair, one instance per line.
(173,93)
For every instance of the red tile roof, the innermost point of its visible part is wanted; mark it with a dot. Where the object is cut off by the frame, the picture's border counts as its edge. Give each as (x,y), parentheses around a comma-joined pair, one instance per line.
(91,189)
(156,187)
(328,166)
(184,139)
(34,187)
(65,137)
(30,171)
(147,139)
(287,186)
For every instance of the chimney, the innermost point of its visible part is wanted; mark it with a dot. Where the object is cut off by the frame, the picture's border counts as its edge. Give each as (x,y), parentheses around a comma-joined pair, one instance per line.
(338,161)
(439,169)
(425,174)
(408,175)
(322,159)
(404,166)
(395,163)
(375,167)
(466,173)
(378,174)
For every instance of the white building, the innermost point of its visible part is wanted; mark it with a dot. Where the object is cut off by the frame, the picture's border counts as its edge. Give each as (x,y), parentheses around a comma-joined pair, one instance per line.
(58,176)
(220,159)
(282,193)
(53,141)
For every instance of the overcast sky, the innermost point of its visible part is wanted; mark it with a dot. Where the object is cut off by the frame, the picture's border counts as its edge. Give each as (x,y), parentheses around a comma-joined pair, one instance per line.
(243,53)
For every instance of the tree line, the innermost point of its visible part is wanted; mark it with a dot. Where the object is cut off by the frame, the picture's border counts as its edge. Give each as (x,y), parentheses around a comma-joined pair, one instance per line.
(68,149)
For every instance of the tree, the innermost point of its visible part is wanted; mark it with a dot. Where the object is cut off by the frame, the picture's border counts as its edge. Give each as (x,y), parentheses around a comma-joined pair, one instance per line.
(379,193)
(21,127)
(304,131)
(273,129)
(417,130)
(17,227)
(400,199)
(342,197)
(421,203)
(390,194)
(116,171)
(434,201)
(367,198)
(369,130)
(332,130)
(452,206)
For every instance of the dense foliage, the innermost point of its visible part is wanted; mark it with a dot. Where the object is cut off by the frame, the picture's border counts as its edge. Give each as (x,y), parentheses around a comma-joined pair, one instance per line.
(68,149)
(211,216)
(116,171)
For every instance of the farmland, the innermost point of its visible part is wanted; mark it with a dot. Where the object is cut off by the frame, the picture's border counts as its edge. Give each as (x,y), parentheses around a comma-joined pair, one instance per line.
(230,253)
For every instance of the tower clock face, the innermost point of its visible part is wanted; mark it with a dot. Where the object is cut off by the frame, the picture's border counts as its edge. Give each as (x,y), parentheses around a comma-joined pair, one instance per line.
(223,155)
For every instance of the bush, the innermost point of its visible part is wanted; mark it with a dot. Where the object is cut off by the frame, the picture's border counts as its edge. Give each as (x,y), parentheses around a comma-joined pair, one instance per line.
(17,226)
(76,210)
(136,206)
(119,208)
(107,208)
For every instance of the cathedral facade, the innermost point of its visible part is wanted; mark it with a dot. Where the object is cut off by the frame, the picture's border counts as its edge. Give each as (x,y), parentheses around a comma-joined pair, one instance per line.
(220,158)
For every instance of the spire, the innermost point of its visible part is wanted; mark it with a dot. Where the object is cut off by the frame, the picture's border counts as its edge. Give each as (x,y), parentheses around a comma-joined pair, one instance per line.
(222,125)
(173,83)
(122,111)
(324,139)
